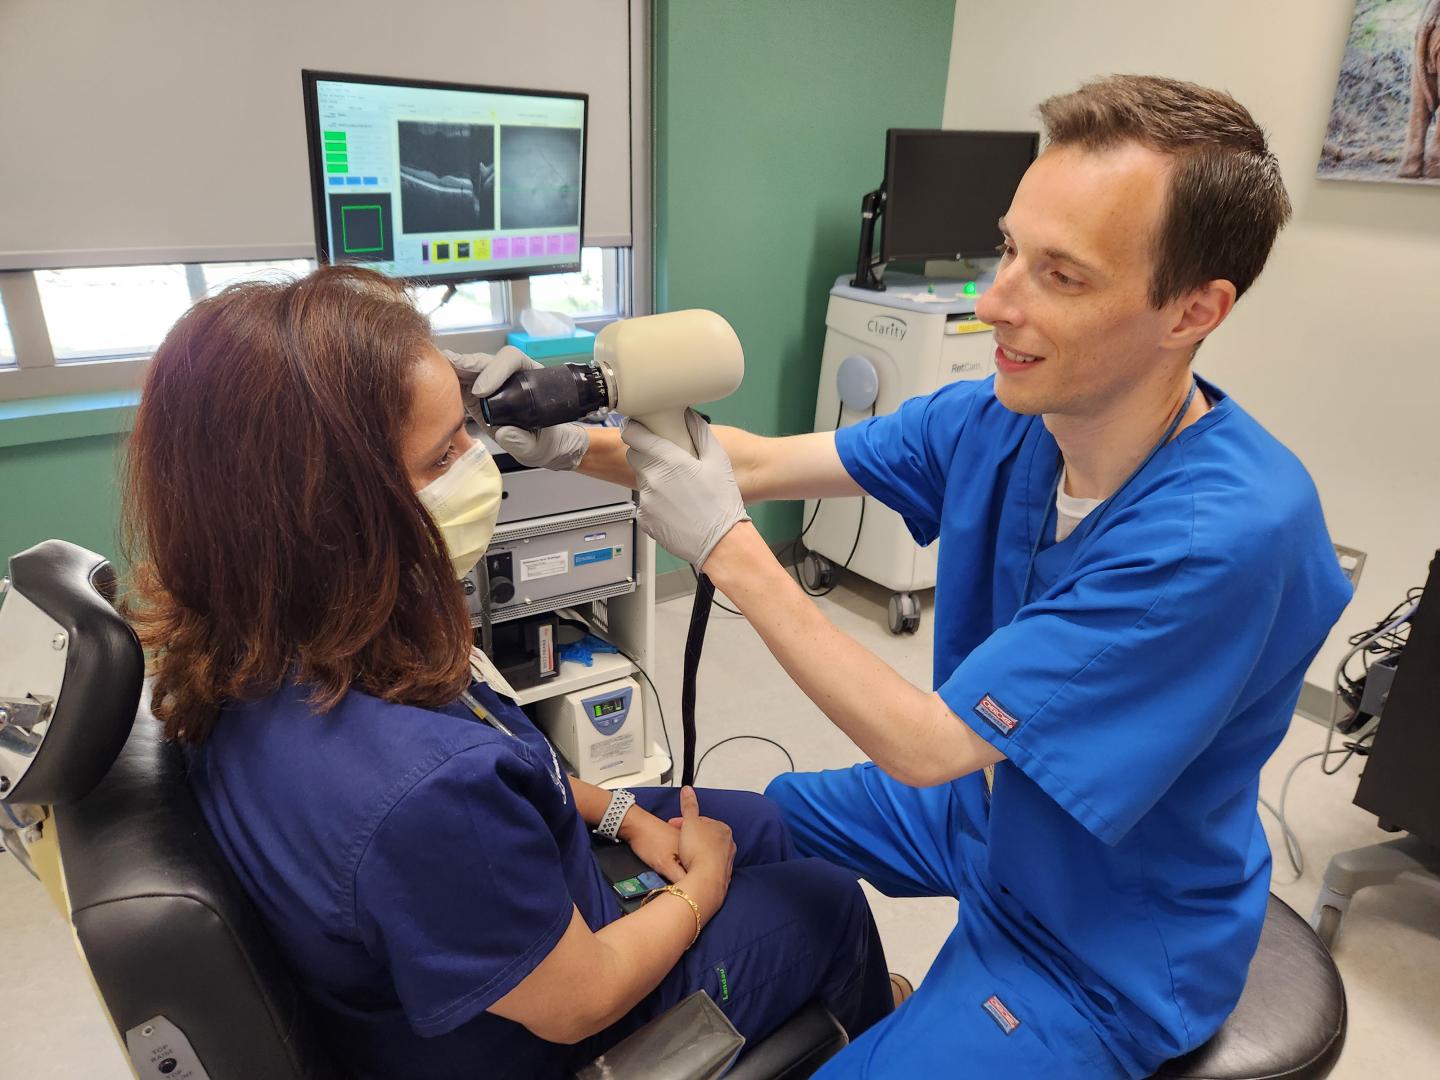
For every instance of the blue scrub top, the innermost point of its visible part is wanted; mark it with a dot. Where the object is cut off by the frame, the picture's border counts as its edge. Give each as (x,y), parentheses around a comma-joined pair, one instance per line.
(1136,695)
(414,866)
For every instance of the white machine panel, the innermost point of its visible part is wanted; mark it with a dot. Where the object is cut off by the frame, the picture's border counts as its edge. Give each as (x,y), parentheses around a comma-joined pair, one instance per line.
(599,730)
(917,340)
(541,564)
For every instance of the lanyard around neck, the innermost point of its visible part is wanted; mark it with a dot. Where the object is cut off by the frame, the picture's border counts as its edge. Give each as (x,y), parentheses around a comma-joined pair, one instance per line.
(484,714)
(1090,520)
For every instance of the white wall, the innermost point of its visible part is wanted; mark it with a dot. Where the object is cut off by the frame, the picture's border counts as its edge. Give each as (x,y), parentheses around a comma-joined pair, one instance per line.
(1337,347)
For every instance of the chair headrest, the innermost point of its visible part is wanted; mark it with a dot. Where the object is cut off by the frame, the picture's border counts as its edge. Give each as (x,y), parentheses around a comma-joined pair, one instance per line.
(70,674)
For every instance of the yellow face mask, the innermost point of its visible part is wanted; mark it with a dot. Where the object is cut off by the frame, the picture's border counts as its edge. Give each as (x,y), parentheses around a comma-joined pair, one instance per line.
(465,504)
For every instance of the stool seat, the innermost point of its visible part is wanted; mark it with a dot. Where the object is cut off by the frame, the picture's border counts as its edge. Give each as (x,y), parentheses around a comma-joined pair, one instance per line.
(1290,1020)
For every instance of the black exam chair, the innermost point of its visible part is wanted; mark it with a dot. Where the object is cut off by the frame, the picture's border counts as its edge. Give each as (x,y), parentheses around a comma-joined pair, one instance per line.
(188,975)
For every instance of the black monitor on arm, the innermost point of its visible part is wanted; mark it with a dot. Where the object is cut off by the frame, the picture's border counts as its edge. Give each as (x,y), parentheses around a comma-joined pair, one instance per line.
(943,194)
(442,183)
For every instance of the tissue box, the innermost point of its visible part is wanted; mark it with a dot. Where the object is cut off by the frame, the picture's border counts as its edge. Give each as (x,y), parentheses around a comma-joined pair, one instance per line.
(580,343)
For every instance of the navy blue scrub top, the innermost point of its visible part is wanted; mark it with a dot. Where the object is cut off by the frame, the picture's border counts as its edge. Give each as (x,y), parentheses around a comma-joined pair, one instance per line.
(1153,670)
(414,866)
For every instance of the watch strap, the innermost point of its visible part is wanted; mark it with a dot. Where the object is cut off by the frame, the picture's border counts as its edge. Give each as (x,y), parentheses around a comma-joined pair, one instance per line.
(620,802)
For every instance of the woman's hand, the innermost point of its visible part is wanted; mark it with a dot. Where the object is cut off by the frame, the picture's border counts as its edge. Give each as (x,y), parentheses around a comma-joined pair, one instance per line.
(707,852)
(656,842)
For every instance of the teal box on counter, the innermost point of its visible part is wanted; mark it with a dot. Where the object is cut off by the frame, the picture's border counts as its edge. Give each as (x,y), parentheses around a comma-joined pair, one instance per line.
(580,343)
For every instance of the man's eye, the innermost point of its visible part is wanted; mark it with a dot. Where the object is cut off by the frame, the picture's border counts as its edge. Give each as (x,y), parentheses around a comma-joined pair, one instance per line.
(1004,249)
(1062,279)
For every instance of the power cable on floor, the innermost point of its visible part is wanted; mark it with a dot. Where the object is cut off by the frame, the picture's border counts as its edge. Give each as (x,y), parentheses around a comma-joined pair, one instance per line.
(735,738)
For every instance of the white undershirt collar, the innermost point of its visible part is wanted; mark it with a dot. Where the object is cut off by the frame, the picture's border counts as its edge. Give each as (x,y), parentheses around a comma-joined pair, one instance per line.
(1069,510)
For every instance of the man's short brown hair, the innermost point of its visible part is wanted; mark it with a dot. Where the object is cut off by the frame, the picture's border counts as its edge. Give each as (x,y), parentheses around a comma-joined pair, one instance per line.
(1226,201)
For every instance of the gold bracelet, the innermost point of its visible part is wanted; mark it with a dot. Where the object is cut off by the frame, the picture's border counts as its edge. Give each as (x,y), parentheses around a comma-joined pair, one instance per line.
(675,890)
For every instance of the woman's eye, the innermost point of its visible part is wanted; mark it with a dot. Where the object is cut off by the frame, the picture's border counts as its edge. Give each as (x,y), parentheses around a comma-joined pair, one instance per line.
(447,459)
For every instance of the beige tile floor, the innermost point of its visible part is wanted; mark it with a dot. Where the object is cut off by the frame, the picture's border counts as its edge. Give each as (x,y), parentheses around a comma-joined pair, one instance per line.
(1388,950)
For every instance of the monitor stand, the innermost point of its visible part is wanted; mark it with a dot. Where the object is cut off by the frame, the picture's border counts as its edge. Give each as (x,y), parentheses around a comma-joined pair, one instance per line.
(872,207)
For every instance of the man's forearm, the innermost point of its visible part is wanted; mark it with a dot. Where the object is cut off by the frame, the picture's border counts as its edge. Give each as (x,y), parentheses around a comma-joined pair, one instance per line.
(908,732)
(605,460)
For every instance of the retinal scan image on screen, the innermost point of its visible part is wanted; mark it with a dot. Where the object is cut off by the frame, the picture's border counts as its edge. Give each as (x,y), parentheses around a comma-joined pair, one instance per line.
(447,176)
(443,182)
(542,177)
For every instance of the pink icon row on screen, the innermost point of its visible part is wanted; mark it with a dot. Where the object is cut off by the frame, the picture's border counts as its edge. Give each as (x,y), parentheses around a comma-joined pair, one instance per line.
(520,247)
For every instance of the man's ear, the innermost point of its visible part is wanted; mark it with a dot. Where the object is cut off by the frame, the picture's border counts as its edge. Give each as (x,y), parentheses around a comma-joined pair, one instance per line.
(1198,313)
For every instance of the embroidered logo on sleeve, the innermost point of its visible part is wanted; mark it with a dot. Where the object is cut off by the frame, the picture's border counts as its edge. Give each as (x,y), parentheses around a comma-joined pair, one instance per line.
(1000,1014)
(993,712)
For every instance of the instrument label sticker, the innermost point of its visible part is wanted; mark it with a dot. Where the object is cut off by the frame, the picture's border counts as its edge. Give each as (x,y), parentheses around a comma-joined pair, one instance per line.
(543,566)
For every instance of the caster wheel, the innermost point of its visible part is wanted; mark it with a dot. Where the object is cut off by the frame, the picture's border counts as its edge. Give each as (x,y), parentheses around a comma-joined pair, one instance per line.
(1329,926)
(904,612)
(816,571)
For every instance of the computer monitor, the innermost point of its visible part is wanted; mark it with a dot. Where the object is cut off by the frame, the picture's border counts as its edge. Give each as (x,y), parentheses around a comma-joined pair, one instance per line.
(442,182)
(945,190)
(1398,785)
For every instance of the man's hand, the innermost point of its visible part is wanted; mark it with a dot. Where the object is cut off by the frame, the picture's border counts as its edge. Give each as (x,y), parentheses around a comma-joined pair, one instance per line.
(560,447)
(686,504)
(654,841)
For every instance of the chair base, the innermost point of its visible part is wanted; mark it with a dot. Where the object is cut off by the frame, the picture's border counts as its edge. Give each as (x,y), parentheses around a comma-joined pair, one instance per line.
(1405,858)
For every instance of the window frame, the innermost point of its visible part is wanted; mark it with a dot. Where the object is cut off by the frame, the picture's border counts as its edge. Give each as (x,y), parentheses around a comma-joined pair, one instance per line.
(38,374)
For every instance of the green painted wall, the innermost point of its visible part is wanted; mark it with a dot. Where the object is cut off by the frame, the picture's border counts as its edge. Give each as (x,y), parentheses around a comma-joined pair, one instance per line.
(65,488)
(770,120)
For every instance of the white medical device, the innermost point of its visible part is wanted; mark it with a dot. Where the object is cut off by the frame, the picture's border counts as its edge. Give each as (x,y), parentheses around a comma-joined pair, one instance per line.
(880,349)
(599,730)
(650,368)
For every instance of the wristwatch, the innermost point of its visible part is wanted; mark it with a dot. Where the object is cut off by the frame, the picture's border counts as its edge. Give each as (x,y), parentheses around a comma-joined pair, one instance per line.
(609,827)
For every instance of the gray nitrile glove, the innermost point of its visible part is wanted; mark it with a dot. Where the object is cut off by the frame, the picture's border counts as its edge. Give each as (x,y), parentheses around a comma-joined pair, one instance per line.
(560,447)
(686,504)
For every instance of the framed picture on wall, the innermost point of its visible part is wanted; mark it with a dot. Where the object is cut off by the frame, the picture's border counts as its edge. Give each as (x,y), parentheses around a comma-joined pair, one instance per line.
(1383,120)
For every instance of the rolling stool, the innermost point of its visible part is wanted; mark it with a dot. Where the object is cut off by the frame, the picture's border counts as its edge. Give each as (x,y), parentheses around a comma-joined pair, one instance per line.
(1290,1020)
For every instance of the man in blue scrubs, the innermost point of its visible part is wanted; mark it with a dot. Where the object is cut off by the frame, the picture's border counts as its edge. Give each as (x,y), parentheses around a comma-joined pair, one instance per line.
(1134,577)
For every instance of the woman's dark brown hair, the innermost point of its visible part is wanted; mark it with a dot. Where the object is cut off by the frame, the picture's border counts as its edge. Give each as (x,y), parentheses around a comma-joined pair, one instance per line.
(272,529)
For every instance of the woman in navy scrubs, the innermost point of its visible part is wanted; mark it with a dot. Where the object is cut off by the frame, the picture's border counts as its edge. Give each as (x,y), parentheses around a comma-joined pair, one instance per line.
(302,494)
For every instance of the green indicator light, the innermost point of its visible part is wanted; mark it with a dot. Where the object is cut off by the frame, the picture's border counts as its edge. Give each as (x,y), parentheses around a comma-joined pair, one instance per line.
(968,288)
(334,136)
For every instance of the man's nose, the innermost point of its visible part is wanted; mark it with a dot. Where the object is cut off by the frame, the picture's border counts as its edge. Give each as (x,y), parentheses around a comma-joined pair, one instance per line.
(998,305)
